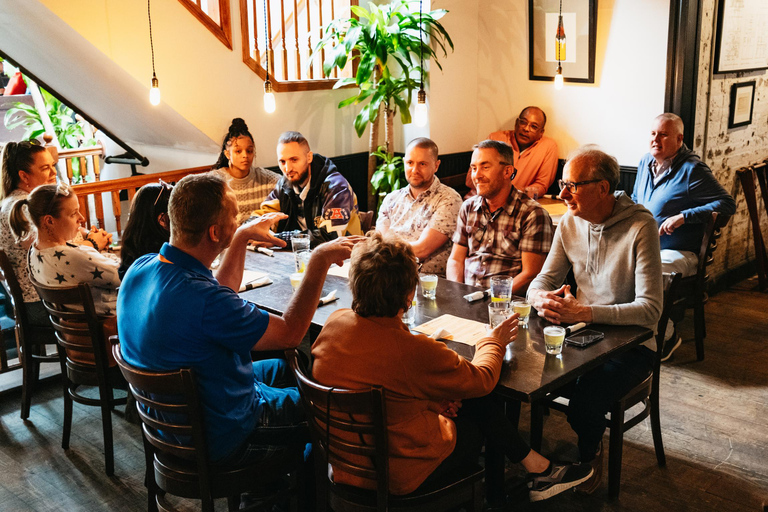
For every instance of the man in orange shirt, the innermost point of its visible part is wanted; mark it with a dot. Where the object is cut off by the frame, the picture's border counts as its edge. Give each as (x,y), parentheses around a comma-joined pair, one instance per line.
(535,155)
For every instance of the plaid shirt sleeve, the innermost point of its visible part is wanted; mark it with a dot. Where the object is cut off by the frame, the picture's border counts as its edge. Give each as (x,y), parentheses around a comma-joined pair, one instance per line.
(537,232)
(460,236)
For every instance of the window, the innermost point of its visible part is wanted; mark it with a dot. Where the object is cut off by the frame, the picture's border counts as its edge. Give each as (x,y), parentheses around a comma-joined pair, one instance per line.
(214,14)
(294,28)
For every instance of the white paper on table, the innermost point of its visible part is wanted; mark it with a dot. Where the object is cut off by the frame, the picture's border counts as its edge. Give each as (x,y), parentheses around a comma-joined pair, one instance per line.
(462,330)
(249,276)
(339,271)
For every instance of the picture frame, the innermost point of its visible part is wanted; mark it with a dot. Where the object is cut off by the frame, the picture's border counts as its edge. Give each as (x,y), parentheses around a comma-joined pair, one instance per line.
(580,27)
(741,43)
(742,104)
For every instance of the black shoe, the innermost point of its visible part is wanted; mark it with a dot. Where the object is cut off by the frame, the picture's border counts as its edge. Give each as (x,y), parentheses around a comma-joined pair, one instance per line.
(558,478)
(670,346)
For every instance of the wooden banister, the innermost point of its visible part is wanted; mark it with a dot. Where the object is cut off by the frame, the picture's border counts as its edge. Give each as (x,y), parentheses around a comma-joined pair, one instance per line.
(114,187)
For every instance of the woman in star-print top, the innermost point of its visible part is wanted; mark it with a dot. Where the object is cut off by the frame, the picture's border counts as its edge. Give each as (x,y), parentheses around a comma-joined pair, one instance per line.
(53,259)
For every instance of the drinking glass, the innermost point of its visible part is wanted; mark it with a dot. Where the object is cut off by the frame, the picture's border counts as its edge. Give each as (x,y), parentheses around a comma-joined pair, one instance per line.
(302,260)
(498,312)
(296,278)
(409,315)
(428,285)
(553,339)
(523,309)
(299,242)
(501,289)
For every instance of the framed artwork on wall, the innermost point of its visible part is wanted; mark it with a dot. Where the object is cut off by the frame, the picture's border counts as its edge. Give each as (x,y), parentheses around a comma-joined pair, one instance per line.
(574,40)
(742,36)
(742,103)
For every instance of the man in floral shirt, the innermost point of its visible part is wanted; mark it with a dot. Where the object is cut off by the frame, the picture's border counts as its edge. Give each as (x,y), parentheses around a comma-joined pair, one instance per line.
(423,213)
(501,231)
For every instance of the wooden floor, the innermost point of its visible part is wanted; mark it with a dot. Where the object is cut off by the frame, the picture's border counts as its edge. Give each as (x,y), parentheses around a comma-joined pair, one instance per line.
(714,420)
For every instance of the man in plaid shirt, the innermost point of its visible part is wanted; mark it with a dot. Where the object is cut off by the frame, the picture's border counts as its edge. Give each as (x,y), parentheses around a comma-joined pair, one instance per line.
(501,231)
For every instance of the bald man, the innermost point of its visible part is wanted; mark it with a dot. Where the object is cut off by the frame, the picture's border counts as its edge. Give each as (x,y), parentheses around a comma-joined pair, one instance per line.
(681,192)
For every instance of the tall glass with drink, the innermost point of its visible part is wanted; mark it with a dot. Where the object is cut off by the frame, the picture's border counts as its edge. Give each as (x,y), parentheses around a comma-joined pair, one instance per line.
(299,242)
(498,312)
(409,315)
(501,289)
(554,335)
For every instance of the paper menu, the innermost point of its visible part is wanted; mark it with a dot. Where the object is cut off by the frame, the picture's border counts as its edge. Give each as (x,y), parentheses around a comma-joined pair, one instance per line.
(462,330)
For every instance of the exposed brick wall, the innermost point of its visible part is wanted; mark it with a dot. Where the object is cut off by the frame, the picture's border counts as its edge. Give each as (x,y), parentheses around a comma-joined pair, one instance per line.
(724,150)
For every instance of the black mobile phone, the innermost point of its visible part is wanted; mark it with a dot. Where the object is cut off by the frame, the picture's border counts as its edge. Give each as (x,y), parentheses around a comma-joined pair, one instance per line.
(584,338)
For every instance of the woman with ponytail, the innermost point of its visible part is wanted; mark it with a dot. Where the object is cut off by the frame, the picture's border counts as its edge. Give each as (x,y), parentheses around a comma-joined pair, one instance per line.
(24,166)
(251,184)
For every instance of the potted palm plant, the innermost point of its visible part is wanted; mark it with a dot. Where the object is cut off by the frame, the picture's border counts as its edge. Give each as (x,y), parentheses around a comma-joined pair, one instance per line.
(387,43)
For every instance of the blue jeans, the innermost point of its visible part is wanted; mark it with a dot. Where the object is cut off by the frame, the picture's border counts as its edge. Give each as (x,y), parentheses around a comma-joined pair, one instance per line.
(592,395)
(281,407)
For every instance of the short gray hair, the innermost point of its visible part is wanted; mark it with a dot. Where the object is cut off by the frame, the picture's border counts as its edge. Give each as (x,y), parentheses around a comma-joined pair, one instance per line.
(502,148)
(601,165)
(669,116)
(196,203)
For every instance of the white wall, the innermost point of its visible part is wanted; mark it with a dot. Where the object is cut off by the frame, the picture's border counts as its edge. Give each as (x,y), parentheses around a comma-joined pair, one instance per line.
(485,84)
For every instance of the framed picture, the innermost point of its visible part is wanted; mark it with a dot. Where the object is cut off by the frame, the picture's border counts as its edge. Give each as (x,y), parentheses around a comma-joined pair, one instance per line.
(741,43)
(574,41)
(742,103)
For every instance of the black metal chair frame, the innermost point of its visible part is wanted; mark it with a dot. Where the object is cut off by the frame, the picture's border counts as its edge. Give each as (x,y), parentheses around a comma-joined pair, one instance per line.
(74,316)
(31,341)
(364,417)
(185,470)
(646,393)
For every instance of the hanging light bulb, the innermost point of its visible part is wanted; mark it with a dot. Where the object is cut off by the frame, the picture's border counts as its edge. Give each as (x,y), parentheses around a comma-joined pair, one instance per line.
(269,97)
(154,91)
(559,78)
(421,115)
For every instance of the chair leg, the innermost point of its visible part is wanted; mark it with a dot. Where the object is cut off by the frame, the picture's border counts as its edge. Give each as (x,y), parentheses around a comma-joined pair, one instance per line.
(615,448)
(537,426)
(106,426)
(700,330)
(67,416)
(658,444)
(477,497)
(149,475)
(28,378)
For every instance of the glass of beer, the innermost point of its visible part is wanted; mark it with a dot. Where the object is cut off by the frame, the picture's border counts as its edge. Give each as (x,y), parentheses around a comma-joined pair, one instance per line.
(523,309)
(501,289)
(554,335)
(498,312)
(428,285)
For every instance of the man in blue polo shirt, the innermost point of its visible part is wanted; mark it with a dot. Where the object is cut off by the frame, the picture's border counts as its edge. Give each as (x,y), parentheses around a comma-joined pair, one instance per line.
(173,313)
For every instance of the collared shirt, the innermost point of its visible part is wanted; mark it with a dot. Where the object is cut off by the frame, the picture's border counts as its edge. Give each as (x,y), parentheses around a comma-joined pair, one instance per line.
(435,208)
(536,165)
(496,240)
(659,171)
(172,313)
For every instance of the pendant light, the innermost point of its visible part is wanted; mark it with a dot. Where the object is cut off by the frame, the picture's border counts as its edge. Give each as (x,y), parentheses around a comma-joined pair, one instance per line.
(421,115)
(154,91)
(559,49)
(269,95)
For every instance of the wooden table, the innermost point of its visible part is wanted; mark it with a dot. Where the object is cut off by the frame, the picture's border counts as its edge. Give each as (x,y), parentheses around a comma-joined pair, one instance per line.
(555,208)
(529,373)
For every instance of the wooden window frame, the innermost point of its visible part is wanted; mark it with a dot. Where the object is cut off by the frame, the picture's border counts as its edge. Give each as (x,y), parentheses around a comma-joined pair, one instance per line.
(277,84)
(223,30)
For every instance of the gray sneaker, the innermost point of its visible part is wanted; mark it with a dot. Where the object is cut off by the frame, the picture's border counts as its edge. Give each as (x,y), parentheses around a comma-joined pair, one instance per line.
(560,477)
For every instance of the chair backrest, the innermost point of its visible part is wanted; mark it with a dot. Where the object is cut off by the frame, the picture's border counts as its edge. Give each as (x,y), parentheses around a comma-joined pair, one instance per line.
(13,289)
(366,221)
(712,232)
(348,428)
(671,283)
(171,415)
(761,170)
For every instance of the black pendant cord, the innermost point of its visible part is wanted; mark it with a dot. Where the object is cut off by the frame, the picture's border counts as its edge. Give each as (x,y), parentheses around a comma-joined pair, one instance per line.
(266,38)
(151,43)
(421,47)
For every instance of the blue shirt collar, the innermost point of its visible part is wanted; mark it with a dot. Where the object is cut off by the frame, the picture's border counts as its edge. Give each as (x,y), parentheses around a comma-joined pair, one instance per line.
(184,260)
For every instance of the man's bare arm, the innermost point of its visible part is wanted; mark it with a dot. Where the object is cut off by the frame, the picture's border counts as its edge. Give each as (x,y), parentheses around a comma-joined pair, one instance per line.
(454,270)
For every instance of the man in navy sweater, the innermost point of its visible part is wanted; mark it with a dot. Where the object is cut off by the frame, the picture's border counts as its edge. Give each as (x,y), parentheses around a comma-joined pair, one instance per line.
(681,192)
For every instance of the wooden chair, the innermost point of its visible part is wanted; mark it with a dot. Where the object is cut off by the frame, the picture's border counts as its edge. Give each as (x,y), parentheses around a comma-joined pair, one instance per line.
(31,341)
(747,179)
(761,171)
(693,289)
(363,430)
(366,221)
(183,469)
(646,393)
(79,329)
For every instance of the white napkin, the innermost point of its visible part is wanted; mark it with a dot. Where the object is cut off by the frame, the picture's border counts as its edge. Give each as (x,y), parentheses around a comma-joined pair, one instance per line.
(328,298)
(441,333)
(256,283)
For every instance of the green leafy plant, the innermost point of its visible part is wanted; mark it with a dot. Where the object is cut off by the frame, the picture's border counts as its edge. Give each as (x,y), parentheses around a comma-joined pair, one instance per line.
(386,42)
(390,174)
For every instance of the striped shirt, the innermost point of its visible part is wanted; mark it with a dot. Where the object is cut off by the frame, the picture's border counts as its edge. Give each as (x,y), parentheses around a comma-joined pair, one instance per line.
(251,191)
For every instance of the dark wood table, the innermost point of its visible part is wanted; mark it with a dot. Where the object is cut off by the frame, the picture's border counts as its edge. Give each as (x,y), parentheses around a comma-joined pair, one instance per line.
(529,373)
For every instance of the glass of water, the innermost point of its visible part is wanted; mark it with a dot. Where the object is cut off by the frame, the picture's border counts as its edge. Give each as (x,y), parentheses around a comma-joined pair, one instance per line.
(523,309)
(409,315)
(498,312)
(299,243)
(501,289)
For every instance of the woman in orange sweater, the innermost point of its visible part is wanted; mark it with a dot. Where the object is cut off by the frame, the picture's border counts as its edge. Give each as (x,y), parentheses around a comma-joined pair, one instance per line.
(439,413)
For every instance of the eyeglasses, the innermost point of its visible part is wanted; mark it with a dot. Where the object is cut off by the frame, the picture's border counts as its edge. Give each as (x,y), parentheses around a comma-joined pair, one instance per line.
(163,188)
(573,186)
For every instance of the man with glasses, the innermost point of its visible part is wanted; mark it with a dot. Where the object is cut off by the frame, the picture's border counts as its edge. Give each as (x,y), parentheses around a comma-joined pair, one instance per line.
(612,246)
(535,154)
(681,192)
(501,231)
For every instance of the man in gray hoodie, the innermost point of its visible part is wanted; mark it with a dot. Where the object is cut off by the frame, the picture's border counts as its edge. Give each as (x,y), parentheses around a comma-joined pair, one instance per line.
(612,245)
